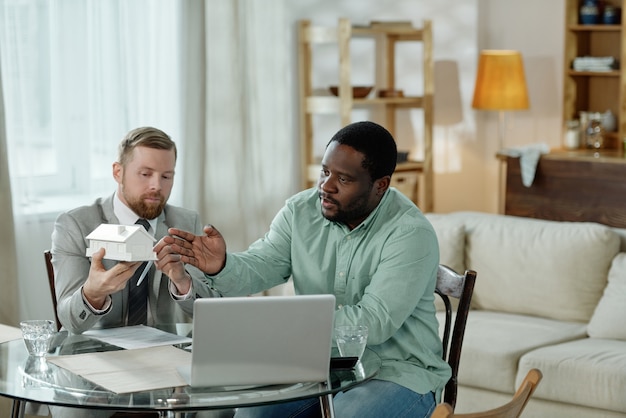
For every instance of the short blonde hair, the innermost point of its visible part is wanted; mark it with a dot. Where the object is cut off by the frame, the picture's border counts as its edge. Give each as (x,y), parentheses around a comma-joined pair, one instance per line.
(146,136)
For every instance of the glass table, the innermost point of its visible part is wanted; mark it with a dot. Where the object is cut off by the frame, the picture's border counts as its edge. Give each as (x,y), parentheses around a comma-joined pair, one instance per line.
(25,378)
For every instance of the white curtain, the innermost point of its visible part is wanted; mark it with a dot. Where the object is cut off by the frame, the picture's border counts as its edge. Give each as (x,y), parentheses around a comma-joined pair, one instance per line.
(8,297)
(238,76)
(77,75)
(215,75)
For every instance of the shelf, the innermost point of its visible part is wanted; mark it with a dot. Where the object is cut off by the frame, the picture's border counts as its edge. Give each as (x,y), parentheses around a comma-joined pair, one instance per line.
(614,73)
(413,178)
(595,28)
(595,91)
(331,104)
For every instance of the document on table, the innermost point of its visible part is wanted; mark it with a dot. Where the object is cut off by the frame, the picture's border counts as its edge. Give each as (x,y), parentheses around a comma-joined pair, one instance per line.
(8,333)
(137,336)
(125,371)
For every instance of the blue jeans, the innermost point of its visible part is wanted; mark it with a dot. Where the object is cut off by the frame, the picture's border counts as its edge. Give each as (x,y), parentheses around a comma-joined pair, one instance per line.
(374,398)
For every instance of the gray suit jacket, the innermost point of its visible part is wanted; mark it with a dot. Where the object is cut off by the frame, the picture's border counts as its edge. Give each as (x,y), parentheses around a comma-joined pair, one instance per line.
(71,268)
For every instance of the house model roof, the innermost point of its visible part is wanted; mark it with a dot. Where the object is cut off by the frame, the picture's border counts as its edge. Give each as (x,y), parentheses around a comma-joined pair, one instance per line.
(114,238)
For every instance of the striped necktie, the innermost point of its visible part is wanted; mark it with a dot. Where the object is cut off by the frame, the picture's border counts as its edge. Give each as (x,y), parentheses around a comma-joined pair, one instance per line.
(138,295)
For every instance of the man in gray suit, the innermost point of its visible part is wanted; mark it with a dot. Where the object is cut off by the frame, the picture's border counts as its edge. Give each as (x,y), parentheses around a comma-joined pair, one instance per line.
(94,293)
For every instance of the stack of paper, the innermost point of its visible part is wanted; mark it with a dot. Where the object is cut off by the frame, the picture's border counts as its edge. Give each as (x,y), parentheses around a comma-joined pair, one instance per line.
(8,333)
(126,371)
(595,64)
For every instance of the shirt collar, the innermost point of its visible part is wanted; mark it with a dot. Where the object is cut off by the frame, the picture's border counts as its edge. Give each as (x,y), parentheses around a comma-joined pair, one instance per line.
(126,216)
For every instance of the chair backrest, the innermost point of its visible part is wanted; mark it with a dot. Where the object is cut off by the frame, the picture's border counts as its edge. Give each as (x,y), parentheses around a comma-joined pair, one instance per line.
(48,257)
(451,284)
(512,409)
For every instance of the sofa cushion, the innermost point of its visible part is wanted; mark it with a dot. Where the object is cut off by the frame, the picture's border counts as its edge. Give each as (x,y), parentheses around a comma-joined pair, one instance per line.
(603,323)
(588,372)
(551,269)
(451,236)
(494,343)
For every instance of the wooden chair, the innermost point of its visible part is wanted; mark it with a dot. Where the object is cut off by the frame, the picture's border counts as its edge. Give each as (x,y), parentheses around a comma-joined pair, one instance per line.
(451,284)
(48,257)
(512,409)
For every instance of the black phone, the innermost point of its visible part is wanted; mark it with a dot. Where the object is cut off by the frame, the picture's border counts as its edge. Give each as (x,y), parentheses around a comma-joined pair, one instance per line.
(343,363)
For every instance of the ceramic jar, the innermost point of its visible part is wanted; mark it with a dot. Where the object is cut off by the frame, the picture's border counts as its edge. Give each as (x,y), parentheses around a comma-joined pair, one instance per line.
(589,12)
(609,122)
(611,15)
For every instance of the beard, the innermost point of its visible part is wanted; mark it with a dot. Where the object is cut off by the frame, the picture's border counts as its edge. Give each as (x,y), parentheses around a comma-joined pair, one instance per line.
(144,210)
(356,209)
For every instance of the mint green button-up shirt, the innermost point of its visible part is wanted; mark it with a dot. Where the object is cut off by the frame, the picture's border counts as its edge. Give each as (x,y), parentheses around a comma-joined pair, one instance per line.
(382,273)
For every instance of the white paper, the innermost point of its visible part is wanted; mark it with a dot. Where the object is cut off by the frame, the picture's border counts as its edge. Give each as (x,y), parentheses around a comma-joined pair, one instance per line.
(137,336)
(8,333)
(126,371)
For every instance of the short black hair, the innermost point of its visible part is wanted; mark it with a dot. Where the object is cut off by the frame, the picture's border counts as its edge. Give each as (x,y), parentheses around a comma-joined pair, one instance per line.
(374,142)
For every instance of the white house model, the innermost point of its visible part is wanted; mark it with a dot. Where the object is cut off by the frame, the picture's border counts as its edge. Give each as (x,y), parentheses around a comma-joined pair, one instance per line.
(122,242)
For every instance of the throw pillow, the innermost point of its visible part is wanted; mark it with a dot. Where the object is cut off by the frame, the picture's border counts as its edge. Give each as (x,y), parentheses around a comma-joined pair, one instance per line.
(606,321)
(451,236)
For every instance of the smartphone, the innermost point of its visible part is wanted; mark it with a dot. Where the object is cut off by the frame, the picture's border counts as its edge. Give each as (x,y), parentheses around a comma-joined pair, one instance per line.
(343,363)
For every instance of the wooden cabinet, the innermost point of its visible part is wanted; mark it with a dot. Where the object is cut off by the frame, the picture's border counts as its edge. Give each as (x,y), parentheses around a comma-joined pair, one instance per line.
(595,91)
(570,186)
(413,178)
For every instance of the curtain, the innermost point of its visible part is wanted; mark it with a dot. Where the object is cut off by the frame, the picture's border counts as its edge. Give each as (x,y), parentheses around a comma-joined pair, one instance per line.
(238,88)
(8,297)
(77,76)
(215,75)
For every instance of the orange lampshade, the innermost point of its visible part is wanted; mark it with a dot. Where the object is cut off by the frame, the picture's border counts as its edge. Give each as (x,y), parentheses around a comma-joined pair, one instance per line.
(500,81)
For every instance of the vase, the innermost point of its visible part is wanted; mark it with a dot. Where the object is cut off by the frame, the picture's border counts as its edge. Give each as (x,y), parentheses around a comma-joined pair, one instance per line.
(590,12)
(611,15)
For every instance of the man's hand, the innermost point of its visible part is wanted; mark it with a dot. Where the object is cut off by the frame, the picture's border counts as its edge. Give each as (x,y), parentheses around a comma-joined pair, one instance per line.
(205,252)
(101,282)
(170,264)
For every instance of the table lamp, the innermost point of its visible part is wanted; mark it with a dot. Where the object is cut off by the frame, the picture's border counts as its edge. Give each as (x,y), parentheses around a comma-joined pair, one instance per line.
(500,84)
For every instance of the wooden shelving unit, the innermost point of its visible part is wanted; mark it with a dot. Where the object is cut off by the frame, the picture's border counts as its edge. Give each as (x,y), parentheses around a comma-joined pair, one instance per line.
(413,178)
(595,91)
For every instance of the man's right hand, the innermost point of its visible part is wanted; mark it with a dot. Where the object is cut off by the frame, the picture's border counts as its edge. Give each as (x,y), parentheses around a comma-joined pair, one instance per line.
(101,282)
(205,252)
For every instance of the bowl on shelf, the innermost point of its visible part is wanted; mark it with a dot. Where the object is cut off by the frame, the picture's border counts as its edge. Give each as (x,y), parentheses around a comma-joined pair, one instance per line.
(390,93)
(358,92)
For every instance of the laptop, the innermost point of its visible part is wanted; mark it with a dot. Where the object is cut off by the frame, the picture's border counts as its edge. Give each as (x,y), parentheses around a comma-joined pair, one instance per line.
(261,340)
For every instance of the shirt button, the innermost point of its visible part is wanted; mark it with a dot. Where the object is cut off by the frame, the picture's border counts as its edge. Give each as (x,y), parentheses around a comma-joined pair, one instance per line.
(341,274)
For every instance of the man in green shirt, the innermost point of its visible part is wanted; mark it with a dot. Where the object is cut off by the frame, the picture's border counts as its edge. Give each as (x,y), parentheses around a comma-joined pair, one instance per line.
(370,246)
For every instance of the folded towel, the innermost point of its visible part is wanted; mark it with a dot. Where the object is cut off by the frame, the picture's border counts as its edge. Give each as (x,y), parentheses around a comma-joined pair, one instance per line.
(529,158)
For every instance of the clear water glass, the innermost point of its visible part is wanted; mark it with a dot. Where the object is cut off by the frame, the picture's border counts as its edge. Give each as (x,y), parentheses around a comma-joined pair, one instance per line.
(351,340)
(38,335)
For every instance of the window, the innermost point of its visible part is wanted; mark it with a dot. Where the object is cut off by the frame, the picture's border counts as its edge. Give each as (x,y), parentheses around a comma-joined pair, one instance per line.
(76,77)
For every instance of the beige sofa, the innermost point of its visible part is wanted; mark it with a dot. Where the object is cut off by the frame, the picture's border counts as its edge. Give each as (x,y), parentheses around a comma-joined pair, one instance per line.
(550,295)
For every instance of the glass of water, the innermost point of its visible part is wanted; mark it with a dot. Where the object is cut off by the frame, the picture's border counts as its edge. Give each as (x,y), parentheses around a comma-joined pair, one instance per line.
(351,340)
(38,334)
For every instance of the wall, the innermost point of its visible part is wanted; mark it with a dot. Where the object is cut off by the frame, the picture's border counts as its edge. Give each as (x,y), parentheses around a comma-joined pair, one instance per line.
(536,29)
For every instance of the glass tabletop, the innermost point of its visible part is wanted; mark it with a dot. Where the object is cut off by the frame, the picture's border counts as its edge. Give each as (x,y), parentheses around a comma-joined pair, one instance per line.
(27,378)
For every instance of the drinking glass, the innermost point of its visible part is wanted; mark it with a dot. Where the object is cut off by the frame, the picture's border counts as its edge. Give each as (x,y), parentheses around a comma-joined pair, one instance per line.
(38,334)
(351,340)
